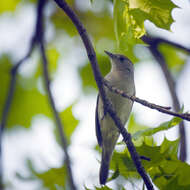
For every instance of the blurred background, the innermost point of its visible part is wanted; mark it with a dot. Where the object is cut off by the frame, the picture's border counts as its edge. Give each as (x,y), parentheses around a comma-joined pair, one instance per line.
(32,156)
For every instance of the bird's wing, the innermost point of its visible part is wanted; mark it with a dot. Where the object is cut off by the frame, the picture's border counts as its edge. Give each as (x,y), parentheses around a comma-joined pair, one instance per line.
(97,123)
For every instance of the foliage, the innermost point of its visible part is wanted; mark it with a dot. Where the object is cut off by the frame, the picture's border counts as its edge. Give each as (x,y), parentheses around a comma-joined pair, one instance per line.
(52,179)
(8,5)
(151,131)
(129,17)
(179,58)
(117,30)
(88,82)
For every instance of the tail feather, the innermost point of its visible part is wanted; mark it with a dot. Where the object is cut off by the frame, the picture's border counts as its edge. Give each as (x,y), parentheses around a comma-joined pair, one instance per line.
(104,172)
(104,168)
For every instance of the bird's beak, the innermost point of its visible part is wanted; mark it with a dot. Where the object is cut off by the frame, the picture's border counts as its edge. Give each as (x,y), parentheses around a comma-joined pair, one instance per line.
(111,55)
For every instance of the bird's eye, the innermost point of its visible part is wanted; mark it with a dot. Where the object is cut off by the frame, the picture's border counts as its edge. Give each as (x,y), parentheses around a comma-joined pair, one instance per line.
(121,59)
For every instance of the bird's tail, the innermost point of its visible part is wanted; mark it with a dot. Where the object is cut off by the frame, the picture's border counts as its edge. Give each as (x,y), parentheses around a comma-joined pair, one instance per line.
(104,168)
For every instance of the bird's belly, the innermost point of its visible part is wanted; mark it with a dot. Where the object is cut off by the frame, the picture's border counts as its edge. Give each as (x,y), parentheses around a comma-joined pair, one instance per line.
(122,107)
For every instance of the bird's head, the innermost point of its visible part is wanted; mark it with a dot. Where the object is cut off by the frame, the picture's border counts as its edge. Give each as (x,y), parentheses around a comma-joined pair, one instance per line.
(120,62)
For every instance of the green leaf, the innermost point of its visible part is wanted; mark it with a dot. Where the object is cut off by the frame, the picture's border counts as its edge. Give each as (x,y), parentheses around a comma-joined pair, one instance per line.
(88,81)
(52,179)
(121,163)
(61,21)
(99,26)
(86,188)
(175,58)
(26,102)
(69,123)
(123,28)
(169,148)
(166,171)
(172,175)
(115,175)
(105,187)
(129,17)
(53,57)
(157,11)
(134,127)
(151,131)
(8,5)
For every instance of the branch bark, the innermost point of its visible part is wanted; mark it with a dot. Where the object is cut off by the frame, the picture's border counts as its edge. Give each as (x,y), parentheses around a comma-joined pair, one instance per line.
(159,108)
(154,42)
(56,117)
(40,42)
(99,81)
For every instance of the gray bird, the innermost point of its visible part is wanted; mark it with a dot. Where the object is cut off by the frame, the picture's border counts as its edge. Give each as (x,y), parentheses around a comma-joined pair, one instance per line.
(121,76)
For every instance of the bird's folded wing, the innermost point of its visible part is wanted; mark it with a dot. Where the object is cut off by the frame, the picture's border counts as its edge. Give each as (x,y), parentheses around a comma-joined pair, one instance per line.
(97,123)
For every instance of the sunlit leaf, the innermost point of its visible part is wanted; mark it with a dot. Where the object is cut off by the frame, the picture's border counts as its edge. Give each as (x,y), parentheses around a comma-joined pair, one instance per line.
(151,131)
(69,122)
(8,5)
(129,17)
(157,11)
(175,58)
(52,56)
(125,35)
(105,187)
(134,127)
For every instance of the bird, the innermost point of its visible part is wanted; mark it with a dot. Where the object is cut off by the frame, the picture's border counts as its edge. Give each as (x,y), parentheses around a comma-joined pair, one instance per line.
(121,76)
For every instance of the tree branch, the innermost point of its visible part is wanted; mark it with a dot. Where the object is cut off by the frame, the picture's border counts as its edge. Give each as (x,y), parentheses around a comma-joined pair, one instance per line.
(159,108)
(52,103)
(154,43)
(99,80)
(40,41)
(37,39)
(56,117)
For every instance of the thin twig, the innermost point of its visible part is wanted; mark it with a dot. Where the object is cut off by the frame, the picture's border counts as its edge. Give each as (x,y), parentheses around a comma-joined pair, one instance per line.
(8,102)
(154,43)
(159,108)
(40,41)
(99,81)
(56,117)
(36,39)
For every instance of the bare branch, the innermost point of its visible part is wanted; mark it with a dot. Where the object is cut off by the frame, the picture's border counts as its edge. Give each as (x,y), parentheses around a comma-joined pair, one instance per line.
(154,42)
(40,41)
(56,117)
(8,102)
(159,108)
(37,39)
(99,80)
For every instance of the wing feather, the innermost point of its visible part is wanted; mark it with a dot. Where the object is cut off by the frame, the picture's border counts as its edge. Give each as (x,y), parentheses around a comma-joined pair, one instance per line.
(97,124)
